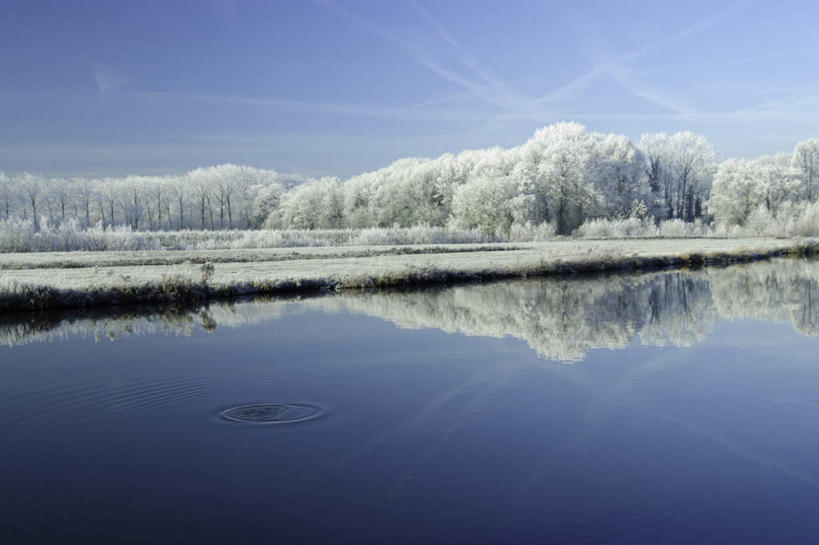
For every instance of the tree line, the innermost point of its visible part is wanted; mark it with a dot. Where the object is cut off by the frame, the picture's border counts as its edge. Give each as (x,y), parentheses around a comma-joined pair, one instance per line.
(564,175)
(210,198)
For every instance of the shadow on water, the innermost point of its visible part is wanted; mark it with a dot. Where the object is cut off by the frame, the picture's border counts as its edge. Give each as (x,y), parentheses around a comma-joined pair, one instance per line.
(559,318)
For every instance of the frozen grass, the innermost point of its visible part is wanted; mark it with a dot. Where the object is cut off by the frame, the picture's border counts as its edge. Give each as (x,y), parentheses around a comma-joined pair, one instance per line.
(605,229)
(798,222)
(45,286)
(18,236)
(72,260)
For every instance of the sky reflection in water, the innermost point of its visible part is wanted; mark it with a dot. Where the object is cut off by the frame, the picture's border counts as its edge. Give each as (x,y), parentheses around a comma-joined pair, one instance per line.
(689,415)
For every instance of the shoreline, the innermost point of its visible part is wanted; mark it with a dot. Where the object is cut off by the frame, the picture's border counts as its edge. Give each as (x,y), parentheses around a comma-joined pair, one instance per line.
(84,284)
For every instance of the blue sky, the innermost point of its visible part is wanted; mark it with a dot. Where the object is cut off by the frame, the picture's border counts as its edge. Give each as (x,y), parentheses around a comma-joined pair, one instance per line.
(342,86)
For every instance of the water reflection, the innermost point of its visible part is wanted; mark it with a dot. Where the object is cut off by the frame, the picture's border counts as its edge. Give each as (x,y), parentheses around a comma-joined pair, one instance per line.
(561,319)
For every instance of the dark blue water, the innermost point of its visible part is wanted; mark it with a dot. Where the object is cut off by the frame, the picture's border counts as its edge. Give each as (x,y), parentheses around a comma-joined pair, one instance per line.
(688,414)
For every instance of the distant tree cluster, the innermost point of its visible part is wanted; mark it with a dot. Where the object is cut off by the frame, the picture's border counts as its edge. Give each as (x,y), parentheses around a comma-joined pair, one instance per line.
(766,189)
(563,176)
(220,197)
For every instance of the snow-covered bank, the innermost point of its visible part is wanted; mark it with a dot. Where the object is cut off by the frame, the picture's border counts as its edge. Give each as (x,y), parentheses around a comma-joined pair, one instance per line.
(50,285)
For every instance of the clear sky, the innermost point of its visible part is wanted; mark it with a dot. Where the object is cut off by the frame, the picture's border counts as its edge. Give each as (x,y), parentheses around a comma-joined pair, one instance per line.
(342,86)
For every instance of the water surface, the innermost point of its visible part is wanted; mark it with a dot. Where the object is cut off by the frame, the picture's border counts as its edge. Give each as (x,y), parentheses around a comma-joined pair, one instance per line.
(664,408)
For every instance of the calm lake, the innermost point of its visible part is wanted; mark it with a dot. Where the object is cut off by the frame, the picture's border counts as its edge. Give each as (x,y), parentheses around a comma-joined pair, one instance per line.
(673,407)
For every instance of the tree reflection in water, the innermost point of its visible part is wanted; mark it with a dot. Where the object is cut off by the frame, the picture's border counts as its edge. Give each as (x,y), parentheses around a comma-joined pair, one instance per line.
(560,318)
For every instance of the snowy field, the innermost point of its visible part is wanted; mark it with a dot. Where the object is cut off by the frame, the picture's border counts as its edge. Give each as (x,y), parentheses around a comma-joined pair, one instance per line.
(35,260)
(77,279)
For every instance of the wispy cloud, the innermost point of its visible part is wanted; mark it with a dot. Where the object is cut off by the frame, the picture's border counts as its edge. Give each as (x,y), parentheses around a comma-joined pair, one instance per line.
(488,92)
(501,88)
(617,66)
(647,92)
(730,62)
(464,70)
(797,102)
(418,112)
(107,80)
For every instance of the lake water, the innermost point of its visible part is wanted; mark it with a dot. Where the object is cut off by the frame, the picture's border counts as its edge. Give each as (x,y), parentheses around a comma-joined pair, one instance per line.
(678,407)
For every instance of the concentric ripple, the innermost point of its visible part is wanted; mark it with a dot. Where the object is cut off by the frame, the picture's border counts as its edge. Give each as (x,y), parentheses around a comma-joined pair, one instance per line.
(272,413)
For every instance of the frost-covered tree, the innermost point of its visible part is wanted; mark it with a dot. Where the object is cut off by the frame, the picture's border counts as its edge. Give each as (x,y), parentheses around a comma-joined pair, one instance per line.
(682,167)
(313,205)
(31,187)
(408,192)
(85,197)
(735,193)
(488,204)
(228,189)
(60,194)
(777,182)
(618,173)
(557,174)
(6,196)
(805,160)
(265,204)
(131,200)
(758,188)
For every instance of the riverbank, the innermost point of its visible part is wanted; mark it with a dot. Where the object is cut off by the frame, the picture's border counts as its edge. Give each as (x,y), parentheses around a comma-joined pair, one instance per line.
(67,280)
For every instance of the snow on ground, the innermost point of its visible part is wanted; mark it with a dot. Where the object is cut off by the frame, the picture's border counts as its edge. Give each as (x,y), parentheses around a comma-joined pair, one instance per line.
(35,260)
